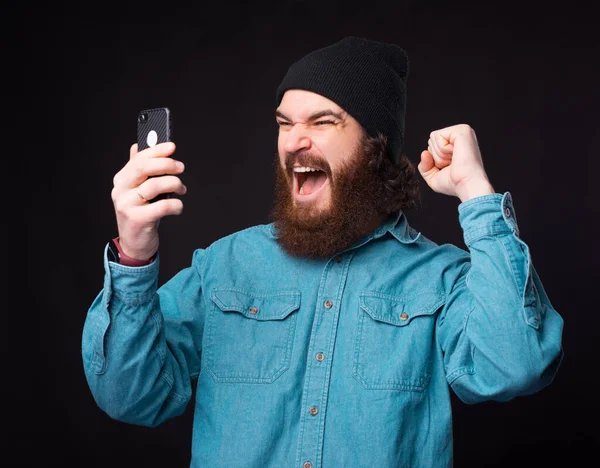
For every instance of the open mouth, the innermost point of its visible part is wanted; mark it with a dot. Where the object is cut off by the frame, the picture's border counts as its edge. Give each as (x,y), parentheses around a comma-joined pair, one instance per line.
(308,181)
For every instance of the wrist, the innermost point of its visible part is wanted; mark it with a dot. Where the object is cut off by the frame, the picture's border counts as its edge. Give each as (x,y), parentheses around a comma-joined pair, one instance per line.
(474,189)
(127,260)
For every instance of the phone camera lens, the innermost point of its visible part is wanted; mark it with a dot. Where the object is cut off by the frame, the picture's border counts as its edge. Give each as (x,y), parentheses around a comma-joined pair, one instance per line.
(143,118)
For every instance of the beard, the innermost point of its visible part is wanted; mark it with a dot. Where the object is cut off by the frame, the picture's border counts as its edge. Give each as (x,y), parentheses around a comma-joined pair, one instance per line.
(355,209)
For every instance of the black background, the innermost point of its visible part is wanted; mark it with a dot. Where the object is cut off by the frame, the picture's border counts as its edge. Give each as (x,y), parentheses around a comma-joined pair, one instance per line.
(524,76)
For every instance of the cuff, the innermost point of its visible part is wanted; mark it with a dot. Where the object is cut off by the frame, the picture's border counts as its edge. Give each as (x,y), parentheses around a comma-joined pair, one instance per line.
(488,215)
(133,285)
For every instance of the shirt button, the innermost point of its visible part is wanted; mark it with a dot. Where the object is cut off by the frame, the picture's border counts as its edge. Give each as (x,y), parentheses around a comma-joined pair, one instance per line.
(338,259)
(507,212)
(313,410)
(307,465)
(320,357)
(328,304)
(403,316)
(254,310)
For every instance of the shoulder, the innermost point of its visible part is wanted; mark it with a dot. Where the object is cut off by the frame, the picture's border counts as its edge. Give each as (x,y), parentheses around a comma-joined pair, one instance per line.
(252,239)
(423,245)
(243,244)
(243,254)
(432,261)
(443,255)
(258,233)
(445,264)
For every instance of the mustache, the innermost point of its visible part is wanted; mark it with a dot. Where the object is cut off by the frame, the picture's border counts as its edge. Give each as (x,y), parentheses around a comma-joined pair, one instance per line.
(304,158)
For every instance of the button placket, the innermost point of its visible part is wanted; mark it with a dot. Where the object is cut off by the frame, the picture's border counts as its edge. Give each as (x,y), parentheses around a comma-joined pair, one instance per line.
(322,340)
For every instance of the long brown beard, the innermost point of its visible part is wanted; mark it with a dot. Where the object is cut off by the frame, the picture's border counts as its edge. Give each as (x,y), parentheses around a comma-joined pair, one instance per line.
(357,196)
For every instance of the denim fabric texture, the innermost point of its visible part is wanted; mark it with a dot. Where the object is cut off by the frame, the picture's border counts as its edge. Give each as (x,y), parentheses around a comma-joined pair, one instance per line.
(340,362)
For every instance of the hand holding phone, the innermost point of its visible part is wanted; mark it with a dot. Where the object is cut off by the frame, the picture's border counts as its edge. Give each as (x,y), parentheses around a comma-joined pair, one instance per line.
(149,173)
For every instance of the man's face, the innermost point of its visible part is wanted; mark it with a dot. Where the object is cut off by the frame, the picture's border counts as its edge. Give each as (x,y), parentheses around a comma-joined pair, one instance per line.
(327,195)
(316,138)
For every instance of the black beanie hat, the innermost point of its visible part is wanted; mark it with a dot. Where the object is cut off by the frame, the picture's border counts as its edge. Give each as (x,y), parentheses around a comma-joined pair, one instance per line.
(364,77)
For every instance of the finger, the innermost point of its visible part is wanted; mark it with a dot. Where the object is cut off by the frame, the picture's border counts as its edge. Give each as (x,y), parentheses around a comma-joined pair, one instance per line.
(153,187)
(438,137)
(162,150)
(138,170)
(432,148)
(435,144)
(133,150)
(427,165)
(442,145)
(144,194)
(441,160)
(151,212)
(182,190)
(450,134)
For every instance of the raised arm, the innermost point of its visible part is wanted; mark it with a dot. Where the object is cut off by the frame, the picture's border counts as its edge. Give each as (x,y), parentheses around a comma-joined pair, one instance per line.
(500,335)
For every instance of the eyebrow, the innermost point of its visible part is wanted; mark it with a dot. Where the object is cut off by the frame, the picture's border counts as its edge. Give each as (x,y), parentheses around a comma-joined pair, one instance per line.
(314,116)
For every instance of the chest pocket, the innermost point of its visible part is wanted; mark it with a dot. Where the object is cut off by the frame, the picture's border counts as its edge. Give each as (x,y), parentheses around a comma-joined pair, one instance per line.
(395,340)
(249,336)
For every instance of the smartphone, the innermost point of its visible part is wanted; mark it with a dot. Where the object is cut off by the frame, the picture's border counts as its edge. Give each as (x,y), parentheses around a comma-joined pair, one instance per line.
(154,127)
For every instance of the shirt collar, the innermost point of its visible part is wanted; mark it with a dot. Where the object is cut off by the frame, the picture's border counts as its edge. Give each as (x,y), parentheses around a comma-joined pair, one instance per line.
(396,224)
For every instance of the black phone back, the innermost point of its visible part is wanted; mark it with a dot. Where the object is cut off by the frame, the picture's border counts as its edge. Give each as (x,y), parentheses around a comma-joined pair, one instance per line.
(154,127)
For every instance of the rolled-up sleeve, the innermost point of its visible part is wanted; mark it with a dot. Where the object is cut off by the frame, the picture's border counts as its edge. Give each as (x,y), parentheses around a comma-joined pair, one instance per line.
(499,333)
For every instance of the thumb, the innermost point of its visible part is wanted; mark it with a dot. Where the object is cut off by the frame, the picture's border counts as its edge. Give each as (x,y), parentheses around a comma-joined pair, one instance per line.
(427,165)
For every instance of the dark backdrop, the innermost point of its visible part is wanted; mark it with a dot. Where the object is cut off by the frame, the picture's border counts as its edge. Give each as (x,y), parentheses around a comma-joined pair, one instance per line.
(525,77)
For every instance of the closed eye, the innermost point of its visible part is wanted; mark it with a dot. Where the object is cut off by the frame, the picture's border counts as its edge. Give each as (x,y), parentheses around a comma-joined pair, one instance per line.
(282,123)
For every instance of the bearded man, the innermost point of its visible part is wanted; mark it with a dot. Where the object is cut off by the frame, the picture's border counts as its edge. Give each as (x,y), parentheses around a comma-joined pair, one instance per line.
(333,336)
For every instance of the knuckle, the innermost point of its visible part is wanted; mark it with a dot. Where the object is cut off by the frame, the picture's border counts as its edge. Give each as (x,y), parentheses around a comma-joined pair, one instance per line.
(120,207)
(167,165)
(164,209)
(149,185)
(138,171)
(114,194)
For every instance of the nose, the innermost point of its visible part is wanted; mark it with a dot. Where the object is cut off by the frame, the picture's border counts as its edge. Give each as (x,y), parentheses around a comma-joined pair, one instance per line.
(296,139)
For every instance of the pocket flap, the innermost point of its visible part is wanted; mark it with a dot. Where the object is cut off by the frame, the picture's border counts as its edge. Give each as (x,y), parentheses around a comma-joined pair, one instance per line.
(400,311)
(274,306)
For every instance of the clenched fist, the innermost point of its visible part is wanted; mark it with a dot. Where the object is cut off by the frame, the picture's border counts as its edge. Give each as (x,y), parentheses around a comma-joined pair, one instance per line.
(452,163)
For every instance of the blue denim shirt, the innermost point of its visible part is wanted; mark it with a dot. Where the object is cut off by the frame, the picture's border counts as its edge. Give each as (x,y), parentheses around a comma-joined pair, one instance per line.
(341,362)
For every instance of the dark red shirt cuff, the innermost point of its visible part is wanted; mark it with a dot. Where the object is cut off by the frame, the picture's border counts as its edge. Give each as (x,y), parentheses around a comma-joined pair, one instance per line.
(126,260)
